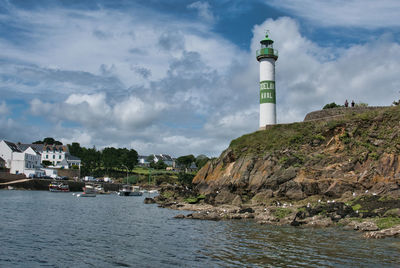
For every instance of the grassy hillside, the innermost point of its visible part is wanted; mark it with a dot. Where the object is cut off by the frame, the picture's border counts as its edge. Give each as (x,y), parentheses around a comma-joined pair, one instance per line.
(371,133)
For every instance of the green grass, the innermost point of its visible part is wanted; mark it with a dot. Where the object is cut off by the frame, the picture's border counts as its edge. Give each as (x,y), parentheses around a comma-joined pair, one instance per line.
(356,207)
(281,213)
(146,171)
(386,198)
(141,170)
(387,222)
(319,137)
(168,194)
(191,200)
(302,209)
(195,199)
(357,219)
(356,137)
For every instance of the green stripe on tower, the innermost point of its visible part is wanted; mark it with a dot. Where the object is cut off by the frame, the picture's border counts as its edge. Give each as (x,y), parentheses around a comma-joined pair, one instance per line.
(267,92)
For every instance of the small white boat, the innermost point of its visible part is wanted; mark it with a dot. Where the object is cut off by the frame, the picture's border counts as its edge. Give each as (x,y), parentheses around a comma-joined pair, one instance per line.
(88,191)
(128,190)
(153,191)
(10,187)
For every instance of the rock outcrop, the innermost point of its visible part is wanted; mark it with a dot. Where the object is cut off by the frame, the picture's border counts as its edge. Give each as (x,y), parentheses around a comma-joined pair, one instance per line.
(358,153)
(320,173)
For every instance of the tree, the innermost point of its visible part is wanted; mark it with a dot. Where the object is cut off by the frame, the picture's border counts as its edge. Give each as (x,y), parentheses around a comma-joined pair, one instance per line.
(49,141)
(110,158)
(75,149)
(91,160)
(150,158)
(158,165)
(46,163)
(201,160)
(128,158)
(185,178)
(185,161)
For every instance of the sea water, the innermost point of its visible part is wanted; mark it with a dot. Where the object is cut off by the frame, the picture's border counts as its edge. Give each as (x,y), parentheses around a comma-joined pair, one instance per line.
(45,229)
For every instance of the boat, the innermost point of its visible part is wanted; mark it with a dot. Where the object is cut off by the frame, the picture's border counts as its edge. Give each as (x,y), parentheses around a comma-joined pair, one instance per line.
(88,191)
(56,186)
(100,189)
(129,190)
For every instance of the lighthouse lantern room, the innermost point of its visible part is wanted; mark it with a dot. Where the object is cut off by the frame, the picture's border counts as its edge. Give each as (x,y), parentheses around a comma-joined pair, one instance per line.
(267,56)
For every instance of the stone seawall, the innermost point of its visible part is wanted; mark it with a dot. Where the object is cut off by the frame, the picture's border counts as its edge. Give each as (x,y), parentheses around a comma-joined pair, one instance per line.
(74,186)
(335,113)
(6,176)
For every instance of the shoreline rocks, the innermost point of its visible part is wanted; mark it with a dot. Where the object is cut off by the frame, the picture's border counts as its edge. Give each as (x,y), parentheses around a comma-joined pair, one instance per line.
(361,213)
(390,232)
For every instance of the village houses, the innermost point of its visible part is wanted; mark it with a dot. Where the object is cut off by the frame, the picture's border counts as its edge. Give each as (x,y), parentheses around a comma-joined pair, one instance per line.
(27,159)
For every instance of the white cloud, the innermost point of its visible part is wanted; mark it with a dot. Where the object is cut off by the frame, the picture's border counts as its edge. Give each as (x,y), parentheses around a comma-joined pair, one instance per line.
(82,137)
(308,77)
(3,108)
(345,13)
(107,78)
(96,111)
(204,10)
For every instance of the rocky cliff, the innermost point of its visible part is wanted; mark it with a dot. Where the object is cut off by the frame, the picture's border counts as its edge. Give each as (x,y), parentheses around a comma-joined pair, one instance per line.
(356,153)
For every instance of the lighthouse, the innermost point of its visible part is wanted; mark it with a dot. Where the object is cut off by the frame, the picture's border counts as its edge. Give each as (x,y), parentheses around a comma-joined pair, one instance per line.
(267,56)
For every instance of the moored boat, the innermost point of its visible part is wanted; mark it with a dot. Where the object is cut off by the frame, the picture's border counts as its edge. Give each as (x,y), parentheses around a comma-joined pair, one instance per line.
(128,190)
(100,189)
(88,191)
(56,186)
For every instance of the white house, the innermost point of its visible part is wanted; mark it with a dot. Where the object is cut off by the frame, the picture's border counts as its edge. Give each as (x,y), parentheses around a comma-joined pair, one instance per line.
(21,160)
(59,156)
(6,151)
(142,160)
(69,162)
(54,153)
(165,158)
(27,158)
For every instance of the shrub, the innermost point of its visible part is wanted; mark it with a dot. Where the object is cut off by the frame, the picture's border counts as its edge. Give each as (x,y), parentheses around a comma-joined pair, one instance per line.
(331,105)
(185,178)
(319,137)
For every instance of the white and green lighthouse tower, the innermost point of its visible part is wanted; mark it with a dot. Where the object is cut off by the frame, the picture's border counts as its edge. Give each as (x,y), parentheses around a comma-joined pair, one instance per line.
(267,56)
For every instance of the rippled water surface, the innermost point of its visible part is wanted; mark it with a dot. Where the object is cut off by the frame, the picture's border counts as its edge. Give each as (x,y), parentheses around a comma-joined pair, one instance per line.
(60,230)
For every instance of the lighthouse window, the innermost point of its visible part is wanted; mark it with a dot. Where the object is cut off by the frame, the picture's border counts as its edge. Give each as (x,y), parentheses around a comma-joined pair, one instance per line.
(266,46)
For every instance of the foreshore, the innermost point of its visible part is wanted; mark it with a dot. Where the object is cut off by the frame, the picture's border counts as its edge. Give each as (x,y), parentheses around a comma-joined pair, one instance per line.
(375,216)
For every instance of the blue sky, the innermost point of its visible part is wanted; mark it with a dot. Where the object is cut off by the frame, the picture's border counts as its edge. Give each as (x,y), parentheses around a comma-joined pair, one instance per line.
(181,77)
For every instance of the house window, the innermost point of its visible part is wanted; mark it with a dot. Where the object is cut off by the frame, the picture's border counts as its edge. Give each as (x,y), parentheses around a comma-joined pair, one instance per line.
(54,157)
(47,156)
(59,157)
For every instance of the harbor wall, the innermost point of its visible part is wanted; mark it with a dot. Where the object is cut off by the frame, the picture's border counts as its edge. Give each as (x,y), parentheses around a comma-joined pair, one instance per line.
(74,186)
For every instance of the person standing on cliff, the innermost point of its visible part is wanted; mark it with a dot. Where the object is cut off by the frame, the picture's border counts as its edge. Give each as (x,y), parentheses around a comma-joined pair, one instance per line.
(346,104)
(352,103)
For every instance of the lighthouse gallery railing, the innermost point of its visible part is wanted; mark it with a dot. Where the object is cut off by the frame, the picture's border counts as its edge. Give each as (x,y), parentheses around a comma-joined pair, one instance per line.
(267,51)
